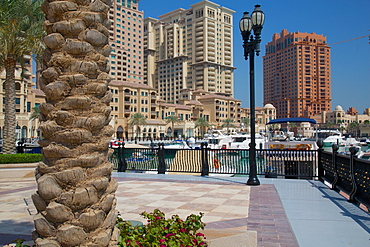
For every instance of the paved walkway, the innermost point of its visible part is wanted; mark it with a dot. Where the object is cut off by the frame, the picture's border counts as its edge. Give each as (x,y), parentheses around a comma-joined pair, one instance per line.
(280,212)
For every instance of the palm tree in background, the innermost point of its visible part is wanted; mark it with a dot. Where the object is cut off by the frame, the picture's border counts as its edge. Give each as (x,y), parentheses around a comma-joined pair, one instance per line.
(202,123)
(35,113)
(21,32)
(246,122)
(173,120)
(136,120)
(353,127)
(329,125)
(228,123)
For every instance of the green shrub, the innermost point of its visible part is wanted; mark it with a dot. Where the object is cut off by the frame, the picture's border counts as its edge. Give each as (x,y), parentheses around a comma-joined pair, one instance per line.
(19,158)
(162,232)
(19,243)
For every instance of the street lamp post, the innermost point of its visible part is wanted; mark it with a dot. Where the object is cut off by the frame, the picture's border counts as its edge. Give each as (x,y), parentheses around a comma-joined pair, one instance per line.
(252,45)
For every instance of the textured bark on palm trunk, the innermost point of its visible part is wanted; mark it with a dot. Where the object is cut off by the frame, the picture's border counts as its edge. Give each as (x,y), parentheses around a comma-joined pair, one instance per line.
(75,195)
(10,118)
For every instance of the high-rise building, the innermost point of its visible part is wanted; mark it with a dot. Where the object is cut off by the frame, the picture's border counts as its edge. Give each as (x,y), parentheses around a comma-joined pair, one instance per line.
(190,49)
(126,40)
(296,74)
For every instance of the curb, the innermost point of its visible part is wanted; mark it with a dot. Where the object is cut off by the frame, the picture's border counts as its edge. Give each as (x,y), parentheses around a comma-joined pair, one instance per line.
(19,165)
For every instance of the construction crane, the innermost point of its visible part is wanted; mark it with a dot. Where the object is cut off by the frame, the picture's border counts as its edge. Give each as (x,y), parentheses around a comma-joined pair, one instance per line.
(350,39)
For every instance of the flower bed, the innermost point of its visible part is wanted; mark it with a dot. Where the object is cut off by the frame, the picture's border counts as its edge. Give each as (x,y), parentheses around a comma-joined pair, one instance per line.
(162,232)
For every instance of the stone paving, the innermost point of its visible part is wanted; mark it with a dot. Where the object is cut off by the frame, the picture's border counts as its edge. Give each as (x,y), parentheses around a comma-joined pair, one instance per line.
(279,212)
(228,211)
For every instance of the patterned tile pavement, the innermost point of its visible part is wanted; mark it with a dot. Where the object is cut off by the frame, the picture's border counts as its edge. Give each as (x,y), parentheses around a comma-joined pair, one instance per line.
(317,215)
(227,206)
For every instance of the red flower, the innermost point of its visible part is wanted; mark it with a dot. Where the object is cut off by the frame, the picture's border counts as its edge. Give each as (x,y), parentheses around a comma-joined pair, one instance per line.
(199,234)
(162,240)
(170,234)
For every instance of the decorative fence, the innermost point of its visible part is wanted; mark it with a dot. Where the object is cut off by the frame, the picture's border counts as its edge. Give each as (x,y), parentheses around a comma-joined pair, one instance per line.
(271,163)
(347,174)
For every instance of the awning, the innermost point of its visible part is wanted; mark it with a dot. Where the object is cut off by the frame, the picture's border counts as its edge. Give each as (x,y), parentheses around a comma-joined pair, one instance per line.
(291,120)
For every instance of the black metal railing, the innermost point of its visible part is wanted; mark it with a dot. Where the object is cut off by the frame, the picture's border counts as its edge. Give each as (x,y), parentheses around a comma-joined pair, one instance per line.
(348,174)
(271,163)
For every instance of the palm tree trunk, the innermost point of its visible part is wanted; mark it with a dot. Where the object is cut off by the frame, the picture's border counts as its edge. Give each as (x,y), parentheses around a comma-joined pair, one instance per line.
(75,196)
(10,120)
(173,130)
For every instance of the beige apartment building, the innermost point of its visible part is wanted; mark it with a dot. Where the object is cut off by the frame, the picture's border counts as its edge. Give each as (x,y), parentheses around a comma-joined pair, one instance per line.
(126,40)
(190,48)
(296,74)
(27,97)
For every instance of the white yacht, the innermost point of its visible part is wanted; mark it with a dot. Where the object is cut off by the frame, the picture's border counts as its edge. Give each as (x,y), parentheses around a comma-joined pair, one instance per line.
(241,141)
(334,139)
(350,141)
(218,140)
(177,144)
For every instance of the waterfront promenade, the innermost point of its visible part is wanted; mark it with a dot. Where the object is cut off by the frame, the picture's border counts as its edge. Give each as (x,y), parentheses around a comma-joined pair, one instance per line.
(279,212)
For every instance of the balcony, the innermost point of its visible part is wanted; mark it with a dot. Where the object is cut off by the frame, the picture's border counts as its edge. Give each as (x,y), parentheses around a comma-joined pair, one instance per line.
(200,38)
(211,29)
(199,53)
(199,29)
(199,48)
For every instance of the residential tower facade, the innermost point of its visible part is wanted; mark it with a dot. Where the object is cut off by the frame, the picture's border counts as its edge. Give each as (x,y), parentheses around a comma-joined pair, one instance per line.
(190,49)
(296,74)
(126,41)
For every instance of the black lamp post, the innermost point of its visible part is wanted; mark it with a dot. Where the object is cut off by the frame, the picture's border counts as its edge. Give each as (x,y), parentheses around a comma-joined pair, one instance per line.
(252,45)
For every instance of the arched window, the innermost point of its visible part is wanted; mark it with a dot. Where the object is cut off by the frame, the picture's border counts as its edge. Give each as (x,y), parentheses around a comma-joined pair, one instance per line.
(17,86)
(120,132)
(24,132)
(18,132)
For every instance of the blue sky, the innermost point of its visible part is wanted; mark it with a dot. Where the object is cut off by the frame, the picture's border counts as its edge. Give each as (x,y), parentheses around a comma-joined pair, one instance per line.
(338,20)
